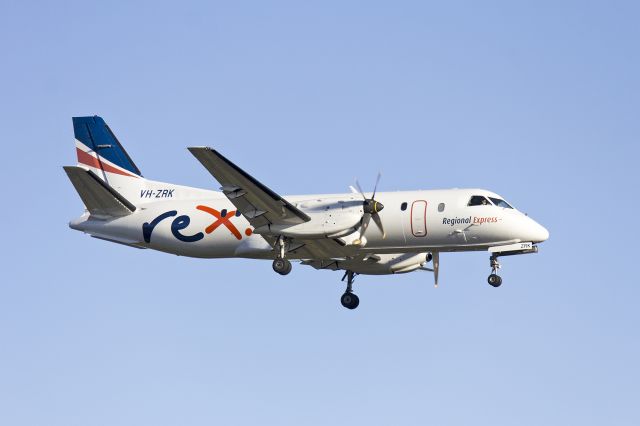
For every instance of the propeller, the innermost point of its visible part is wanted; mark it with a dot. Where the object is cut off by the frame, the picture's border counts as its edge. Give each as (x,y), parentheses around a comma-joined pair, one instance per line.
(371,209)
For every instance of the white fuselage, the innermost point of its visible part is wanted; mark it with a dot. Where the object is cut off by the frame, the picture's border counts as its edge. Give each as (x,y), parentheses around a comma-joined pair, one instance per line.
(200,223)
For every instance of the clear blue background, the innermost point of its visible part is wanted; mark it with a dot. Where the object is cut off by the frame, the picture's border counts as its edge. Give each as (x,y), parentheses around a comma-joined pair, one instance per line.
(537,101)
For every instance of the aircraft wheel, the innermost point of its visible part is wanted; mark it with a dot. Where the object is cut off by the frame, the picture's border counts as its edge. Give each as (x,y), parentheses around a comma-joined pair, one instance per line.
(350,300)
(494,280)
(282,266)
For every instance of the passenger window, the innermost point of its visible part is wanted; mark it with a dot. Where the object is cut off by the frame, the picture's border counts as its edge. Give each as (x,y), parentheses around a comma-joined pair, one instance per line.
(403,206)
(441,207)
(478,200)
(500,203)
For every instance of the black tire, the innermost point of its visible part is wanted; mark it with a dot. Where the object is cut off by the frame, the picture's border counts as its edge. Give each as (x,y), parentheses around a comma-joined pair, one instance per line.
(494,280)
(350,300)
(282,266)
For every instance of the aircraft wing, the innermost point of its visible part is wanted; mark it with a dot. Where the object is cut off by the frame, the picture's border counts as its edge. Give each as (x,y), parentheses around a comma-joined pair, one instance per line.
(257,203)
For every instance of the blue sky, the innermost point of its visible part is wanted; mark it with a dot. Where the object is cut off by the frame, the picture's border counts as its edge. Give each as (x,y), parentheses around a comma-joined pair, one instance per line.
(537,101)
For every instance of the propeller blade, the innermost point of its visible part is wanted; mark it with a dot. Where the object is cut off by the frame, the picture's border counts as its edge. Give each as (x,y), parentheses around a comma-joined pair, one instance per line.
(378,221)
(375,188)
(362,241)
(364,197)
(365,224)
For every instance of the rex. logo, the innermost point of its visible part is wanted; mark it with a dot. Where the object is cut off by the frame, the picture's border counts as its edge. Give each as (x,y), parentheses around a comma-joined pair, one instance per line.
(222,217)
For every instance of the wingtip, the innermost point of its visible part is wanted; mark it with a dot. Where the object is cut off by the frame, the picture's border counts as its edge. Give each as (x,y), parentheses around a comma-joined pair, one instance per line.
(199,150)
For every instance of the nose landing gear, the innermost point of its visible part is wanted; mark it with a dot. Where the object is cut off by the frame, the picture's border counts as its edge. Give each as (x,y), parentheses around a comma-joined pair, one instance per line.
(349,300)
(494,279)
(507,250)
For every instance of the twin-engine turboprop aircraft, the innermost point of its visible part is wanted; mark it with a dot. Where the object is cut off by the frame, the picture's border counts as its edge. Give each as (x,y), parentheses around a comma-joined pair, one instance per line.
(246,219)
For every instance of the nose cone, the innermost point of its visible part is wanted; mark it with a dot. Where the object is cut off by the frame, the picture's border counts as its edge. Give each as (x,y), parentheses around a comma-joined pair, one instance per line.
(372,206)
(537,233)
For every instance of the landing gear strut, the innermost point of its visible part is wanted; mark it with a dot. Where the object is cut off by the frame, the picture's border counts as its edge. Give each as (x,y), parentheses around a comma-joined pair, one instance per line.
(280,264)
(494,279)
(349,300)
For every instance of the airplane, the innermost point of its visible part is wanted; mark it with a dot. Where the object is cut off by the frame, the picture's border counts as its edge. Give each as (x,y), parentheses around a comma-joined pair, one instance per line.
(246,219)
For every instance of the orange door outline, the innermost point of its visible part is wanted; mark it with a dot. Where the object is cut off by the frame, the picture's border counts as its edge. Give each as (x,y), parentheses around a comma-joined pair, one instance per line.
(419,204)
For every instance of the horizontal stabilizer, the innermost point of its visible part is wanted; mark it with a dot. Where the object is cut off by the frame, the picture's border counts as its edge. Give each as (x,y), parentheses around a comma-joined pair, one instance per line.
(100,199)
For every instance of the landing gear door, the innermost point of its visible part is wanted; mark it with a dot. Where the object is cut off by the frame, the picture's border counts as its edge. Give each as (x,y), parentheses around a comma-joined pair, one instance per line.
(419,218)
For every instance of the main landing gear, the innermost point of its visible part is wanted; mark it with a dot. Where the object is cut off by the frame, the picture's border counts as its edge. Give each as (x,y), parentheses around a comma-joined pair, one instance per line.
(494,279)
(280,264)
(349,300)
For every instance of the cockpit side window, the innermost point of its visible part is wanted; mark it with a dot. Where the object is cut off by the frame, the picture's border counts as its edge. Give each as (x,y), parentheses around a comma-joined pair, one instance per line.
(479,200)
(500,203)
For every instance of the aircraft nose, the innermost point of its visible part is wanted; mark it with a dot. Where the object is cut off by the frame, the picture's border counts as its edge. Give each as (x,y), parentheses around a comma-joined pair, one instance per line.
(538,233)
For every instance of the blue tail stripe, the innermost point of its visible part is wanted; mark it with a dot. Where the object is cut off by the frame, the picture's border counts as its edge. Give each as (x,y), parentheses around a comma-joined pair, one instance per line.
(94,133)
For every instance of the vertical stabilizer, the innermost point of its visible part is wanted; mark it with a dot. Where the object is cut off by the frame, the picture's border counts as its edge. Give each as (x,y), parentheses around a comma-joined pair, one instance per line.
(99,150)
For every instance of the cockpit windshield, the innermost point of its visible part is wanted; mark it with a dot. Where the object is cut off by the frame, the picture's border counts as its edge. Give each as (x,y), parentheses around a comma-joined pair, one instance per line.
(500,203)
(478,200)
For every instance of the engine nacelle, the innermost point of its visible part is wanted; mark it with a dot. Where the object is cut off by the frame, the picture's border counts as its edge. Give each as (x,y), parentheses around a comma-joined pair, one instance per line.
(329,219)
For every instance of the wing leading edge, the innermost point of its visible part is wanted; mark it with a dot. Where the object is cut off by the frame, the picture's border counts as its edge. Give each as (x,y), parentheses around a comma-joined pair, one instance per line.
(257,203)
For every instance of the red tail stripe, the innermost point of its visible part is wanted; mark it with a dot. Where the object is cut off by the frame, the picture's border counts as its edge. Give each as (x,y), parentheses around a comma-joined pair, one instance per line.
(91,161)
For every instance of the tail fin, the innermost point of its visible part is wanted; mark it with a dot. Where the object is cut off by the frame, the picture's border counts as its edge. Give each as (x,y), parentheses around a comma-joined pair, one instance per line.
(100,199)
(99,150)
